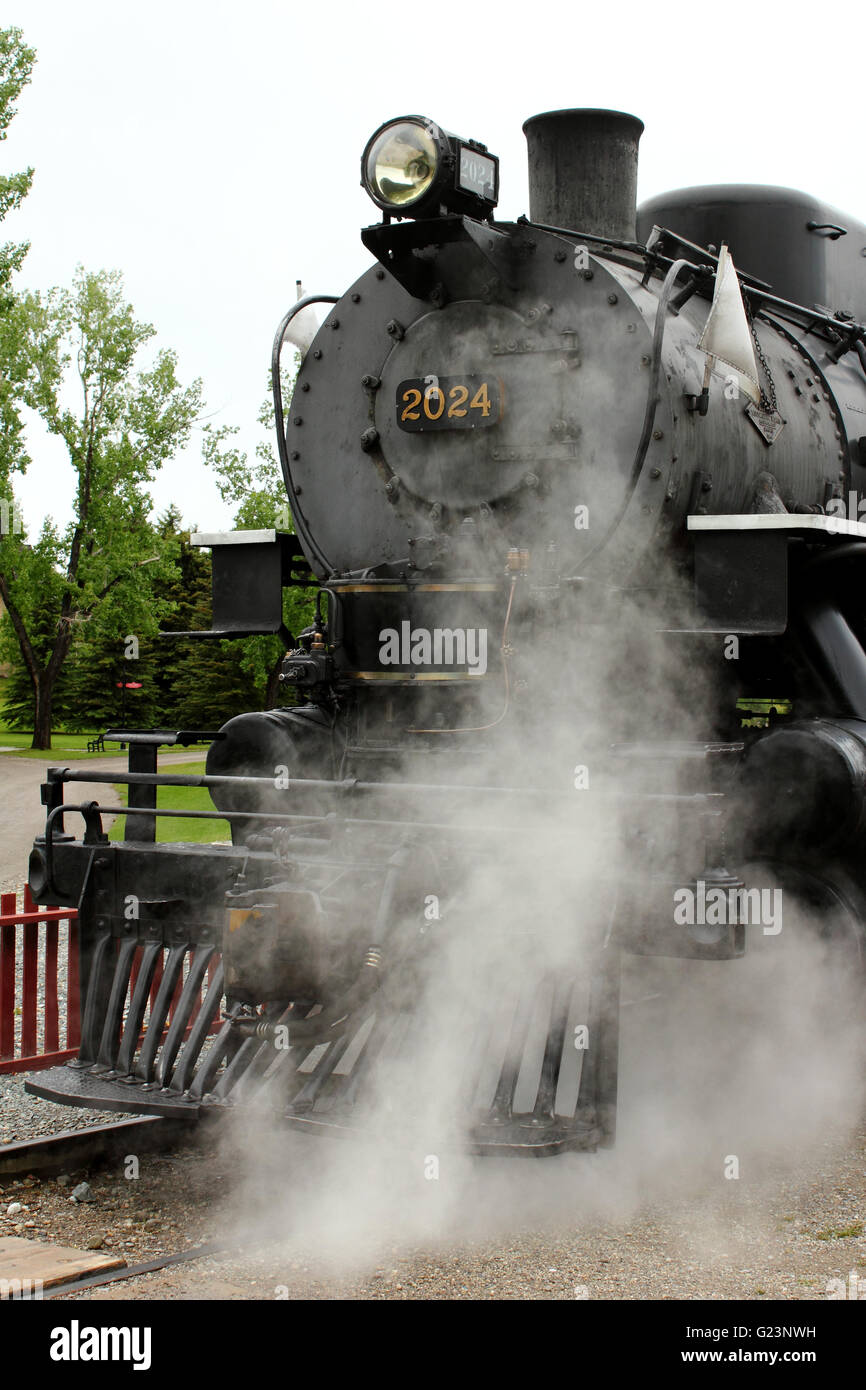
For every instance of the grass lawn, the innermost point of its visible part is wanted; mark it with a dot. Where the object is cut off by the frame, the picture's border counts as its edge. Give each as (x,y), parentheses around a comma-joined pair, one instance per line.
(64,746)
(179,799)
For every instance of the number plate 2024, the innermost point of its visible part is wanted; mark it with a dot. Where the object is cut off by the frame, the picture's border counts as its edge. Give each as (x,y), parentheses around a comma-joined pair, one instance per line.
(448,403)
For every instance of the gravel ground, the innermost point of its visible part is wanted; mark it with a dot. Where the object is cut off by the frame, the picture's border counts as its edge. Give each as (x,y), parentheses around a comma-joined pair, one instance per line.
(28,1117)
(784,1237)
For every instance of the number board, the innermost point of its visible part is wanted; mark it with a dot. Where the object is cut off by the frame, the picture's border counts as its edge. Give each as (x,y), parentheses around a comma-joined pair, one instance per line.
(448,403)
(477,173)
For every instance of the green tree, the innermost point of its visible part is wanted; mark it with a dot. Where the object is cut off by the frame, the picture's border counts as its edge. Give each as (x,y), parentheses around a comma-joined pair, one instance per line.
(85,344)
(16,65)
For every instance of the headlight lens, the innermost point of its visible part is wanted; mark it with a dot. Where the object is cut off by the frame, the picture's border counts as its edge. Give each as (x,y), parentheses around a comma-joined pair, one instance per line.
(401,164)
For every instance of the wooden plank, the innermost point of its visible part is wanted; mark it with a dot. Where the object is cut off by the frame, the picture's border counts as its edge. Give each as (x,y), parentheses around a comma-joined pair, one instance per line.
(29,989)
(39,1063)
(50,1264)
(52,1021)
(8,938)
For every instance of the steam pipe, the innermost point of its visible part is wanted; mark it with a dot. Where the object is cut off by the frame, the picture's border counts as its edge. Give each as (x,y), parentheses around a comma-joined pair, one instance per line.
(277,387)
(347,785)
(841,658)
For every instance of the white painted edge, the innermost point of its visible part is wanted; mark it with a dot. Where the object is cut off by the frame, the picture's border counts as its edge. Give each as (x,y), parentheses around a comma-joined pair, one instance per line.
(235,537)
(772,521)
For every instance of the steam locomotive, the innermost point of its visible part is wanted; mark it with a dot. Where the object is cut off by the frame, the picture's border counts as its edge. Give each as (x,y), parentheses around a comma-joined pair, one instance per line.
(587,669)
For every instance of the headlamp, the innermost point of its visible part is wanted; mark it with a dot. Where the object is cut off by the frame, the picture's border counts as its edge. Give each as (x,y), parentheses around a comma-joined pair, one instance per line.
(413,168)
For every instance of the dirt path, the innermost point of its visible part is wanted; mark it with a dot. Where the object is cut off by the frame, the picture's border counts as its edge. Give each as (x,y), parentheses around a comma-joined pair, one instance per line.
(22,816)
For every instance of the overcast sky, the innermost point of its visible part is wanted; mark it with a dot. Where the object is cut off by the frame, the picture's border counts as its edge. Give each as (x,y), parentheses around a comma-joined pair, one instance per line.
(210,151)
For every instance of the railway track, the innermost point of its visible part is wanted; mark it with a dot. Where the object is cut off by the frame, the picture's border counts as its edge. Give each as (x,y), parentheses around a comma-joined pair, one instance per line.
(98,1144)
(114,1276)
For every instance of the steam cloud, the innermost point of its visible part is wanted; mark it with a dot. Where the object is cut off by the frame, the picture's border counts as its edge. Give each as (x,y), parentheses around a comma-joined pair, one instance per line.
(756,1058)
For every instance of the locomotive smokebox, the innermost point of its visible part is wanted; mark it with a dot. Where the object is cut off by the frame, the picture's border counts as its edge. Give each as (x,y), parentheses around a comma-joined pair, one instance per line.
(583,171)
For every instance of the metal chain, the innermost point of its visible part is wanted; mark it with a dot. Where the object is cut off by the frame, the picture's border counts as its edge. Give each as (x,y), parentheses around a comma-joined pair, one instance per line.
(768,402)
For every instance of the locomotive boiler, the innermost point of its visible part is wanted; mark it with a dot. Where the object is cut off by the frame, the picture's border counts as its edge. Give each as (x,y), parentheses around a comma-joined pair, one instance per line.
(586,676)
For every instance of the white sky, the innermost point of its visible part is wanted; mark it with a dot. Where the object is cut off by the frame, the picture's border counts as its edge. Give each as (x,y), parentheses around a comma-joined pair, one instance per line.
(210,150)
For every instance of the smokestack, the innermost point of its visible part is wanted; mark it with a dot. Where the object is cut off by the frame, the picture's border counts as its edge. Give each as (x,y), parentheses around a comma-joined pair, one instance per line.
(583,171)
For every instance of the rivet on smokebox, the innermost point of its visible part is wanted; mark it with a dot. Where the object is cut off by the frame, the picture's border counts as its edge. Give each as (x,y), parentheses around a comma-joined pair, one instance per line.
(658,434)
(559,256)
(655,472)
(613,299)
(298,420)
(395,329)
(335,323)
(369,440)
(356,299)
(588,274)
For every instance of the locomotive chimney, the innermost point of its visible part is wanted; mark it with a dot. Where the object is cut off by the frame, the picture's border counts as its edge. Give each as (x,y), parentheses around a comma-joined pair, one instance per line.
(583,171)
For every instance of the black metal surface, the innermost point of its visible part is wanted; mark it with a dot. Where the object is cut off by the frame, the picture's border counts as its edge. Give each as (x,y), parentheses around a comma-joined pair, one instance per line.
(142,759)
(247,588)
(741,580)
(838,654)
(397,247)
(75,1086)
(583,170)
(767,231)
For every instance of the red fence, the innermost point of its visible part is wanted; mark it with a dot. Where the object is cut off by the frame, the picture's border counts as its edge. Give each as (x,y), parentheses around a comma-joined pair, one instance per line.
(22,1049)
(29,986)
